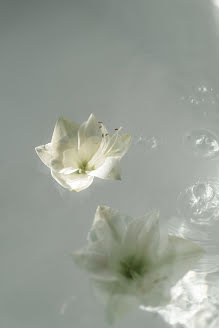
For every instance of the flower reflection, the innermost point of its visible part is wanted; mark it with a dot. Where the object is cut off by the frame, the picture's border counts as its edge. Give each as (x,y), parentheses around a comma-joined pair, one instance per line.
(131,263)
(77,154)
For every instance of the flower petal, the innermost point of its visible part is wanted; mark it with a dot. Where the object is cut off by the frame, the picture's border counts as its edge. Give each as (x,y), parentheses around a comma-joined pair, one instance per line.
(142,237)
(112,146)
(44,153)
(180,248)
(109,170)
(148,240)
(181,256)
(109,225)
(74,182)
(90,260)
(118,145)
(89,128)
(65,129)
(119,305)
(71,158)
(111,295)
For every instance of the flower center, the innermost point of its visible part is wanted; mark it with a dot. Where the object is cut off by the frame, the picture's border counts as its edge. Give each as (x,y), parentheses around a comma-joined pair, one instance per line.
(83,167)
(132,267)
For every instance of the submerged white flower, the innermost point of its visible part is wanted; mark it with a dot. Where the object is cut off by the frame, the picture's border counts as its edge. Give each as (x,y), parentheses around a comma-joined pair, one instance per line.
(131,263)
(77,154)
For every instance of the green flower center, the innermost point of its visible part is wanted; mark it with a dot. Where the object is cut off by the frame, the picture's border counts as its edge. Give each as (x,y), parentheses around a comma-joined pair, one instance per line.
(83,167)
(132,267)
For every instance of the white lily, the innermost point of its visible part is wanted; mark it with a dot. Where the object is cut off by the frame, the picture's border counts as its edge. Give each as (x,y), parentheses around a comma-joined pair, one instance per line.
(77,154)
(131,263)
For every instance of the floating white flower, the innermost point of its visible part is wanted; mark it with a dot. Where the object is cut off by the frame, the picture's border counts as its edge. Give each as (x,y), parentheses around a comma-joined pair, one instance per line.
(131,263)
(77,154)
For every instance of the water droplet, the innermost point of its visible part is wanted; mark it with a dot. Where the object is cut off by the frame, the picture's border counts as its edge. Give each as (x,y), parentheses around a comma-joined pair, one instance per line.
(200,202)
(202,143)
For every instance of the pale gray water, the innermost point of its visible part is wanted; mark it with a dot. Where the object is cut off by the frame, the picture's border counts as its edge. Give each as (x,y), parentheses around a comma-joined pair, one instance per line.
(150,66)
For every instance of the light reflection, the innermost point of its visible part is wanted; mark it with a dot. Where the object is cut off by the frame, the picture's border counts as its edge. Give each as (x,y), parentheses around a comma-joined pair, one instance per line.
(215,3)
(189,298)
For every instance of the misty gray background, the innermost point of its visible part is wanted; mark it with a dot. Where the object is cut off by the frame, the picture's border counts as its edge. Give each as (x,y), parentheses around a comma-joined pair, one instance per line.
(133,64)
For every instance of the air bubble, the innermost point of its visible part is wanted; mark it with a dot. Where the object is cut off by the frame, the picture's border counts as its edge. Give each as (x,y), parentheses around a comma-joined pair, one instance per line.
(202,143)
(202,98)
(203,191)
(200,202)
(151,143)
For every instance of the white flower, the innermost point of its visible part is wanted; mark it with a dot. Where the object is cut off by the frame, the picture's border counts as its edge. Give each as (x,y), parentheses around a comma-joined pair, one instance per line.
(130,264)
(77,154)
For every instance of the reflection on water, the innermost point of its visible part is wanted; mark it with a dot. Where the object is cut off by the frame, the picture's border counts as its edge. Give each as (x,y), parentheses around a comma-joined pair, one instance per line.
(195,298)
(200,202)
(188,296)
(202,143)
(133,262)
(190,306)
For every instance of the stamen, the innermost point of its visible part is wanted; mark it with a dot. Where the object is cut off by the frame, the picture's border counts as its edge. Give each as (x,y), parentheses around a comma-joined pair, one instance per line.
(100,122)
(132,267)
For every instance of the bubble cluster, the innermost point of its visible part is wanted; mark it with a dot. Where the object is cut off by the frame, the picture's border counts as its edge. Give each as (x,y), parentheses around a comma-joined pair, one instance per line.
(202,143)
(200,202)
(203,98)
(151,143)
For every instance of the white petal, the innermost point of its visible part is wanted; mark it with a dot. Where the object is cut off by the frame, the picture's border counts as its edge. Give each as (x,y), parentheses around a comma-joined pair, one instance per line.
(120,305)
(64,130)
(71,158)
(118,145)
(142,237)
(181,256)
(109,225)
(180,248)
(44,153)
(90,128)
(148,240)
(51,156)
(74,182)
(109,170)
(112,146)
(89,148)
(90,260)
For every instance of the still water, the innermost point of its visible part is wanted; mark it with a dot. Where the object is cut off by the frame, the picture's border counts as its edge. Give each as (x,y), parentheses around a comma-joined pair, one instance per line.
(149,66)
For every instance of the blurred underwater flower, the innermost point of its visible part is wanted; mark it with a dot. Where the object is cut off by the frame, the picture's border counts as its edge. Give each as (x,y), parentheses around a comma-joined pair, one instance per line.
(131,263)
(77,154)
